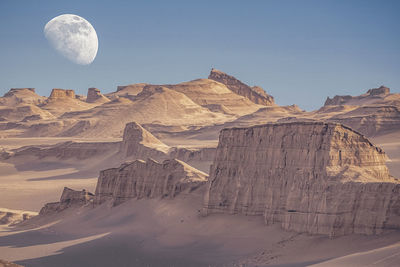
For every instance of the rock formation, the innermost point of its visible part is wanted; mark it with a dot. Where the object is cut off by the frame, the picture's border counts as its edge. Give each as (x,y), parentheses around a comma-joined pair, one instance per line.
(68,199)
(12,217)
(371,120)
(255,94)
(140,143)
(150,179)
(371,95)
(314,177)
(18,96)
(94,96)
(62,93)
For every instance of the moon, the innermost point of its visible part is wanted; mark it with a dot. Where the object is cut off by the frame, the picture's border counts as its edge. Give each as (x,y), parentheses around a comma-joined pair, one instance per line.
(73,37)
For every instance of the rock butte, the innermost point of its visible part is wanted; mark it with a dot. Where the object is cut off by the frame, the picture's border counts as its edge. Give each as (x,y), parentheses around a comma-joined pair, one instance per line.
(62,93)
(314,177)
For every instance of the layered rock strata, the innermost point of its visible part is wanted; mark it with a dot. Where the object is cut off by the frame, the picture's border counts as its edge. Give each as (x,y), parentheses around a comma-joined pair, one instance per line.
(147,179)
(256,94)
(69,198)
(313,177)
(62,93)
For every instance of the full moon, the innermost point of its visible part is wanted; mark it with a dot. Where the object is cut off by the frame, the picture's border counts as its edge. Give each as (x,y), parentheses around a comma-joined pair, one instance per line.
(73,37)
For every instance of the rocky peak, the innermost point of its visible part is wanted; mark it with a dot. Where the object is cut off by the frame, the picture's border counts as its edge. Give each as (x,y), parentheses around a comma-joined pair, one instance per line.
(255,94)
(62,93)
(379,91)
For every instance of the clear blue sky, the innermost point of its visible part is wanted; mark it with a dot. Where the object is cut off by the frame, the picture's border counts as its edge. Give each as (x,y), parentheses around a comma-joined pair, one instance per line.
(298,51)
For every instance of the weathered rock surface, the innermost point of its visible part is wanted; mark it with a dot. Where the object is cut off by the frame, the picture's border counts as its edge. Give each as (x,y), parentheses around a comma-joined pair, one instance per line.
(138,142)
(94,96)
(372,95)
(12,217)
(314,177)
(255,94)
(18,96)
(68,199)
(371,120)
(62,93)
(147,179)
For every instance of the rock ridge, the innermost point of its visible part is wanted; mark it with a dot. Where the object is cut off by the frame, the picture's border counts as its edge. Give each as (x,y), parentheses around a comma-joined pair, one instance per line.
(256,94)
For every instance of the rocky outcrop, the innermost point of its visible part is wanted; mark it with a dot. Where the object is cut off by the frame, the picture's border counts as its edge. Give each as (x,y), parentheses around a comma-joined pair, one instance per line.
(62,93)
(256,94)
(371,120)
(18,96)
(94,96)
(140,143)
(147,179)
(373,94)
(13,217)
(313,177)
(68,199)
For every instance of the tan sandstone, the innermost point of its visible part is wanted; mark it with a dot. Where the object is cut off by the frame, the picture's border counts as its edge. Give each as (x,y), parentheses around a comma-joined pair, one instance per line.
(147,179)
(314,177)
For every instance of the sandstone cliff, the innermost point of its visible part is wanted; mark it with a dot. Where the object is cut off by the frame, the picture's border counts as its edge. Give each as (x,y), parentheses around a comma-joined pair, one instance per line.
(314,177)
(62,93)
(69,198)
(255,94)
(150,179)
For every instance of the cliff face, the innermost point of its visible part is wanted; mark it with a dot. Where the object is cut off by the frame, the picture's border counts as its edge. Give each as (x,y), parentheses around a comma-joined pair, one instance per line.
(314,177)
(140,179)
(256,94)
(62,93)
(69,198)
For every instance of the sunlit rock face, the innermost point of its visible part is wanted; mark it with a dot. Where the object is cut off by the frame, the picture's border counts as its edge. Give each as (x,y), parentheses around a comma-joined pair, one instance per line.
(313,177)
(62,93)
(256,94)
(147,179)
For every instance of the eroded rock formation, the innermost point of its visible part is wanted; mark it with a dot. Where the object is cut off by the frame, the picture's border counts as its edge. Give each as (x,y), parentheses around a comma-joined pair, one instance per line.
(314,177)
(69,198)
(372,95)
(255,94)
(147,179)
(62,93)
(94,96)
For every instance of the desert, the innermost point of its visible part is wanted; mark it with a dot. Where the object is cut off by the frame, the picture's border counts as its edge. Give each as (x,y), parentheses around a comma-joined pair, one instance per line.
(188,134)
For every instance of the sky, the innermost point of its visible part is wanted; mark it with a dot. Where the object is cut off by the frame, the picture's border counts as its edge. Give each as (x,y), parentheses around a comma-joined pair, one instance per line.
(300,52)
